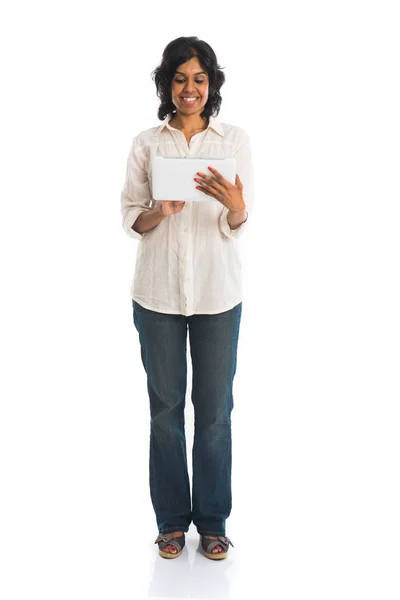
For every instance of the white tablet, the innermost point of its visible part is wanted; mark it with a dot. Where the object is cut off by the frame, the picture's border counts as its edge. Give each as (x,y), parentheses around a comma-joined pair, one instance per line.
(173,178)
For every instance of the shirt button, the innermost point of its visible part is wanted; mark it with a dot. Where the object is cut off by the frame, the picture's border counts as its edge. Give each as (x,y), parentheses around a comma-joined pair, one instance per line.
(185,229)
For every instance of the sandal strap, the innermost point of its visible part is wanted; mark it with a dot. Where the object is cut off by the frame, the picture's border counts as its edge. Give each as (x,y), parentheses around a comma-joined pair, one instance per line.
(222,540)
(166,539)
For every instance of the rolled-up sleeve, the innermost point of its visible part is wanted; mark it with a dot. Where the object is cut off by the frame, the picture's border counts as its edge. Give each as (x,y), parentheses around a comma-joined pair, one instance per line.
(135,196)
(244,168)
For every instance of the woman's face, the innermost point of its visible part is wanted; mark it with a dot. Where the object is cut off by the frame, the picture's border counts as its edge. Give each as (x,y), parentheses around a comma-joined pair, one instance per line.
(190,80)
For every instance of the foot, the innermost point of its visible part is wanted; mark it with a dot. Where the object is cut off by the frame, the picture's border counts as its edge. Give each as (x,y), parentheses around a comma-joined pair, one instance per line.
(171,549)
(217,548)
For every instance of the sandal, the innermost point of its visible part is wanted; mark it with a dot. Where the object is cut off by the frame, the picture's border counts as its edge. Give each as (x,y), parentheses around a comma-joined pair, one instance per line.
(165,539)
(206,546)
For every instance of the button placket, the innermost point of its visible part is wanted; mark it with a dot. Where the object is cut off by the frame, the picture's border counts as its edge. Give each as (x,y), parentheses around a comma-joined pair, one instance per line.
(188,283)
(187,150)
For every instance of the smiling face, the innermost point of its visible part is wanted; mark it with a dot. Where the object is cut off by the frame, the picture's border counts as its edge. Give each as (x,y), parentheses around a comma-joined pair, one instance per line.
(190,81)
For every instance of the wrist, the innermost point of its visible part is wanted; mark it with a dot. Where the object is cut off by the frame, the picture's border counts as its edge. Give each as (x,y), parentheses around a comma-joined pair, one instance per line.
(237,211)
(237,214)
(235,219)
(159,211)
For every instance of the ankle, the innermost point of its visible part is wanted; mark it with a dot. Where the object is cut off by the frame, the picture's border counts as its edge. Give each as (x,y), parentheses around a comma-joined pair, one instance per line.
(176,534)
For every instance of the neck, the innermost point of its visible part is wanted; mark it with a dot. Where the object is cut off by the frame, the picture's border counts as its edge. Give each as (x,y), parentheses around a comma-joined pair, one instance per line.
(188,122)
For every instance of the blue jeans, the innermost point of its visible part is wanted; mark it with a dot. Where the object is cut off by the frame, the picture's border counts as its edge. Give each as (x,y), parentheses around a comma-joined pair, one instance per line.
(213,349)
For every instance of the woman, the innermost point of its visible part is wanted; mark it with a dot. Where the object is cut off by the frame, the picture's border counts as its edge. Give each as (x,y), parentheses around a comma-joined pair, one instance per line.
(188,276)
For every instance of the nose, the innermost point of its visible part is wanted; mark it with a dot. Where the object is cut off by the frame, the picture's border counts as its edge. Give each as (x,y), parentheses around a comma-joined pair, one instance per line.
(189,90)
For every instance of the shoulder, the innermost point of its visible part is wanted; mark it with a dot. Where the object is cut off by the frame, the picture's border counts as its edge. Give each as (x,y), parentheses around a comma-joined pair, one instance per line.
(234,133)
(144,138)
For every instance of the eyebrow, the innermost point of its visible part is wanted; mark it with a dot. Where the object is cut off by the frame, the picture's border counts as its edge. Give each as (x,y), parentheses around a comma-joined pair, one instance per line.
(199,73)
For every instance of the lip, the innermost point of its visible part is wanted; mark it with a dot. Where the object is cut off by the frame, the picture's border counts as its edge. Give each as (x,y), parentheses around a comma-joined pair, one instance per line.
(189,103)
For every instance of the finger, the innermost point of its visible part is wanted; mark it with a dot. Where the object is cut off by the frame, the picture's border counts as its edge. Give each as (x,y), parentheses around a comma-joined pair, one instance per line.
(211,184)
(216,173)
(208,192)
(239,181)
(220,178)
(206,178)
(206,189)
(212,180)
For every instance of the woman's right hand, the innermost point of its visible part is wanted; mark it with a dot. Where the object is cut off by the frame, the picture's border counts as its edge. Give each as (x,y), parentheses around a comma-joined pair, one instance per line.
(170,207)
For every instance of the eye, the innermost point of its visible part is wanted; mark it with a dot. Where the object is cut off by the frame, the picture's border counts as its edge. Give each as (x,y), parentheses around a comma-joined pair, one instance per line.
(182,80)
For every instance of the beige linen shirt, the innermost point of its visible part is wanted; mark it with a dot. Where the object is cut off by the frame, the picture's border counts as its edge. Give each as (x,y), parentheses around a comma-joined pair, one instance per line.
(189,263)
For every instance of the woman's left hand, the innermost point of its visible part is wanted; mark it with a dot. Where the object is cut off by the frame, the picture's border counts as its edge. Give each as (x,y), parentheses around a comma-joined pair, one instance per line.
(223,190)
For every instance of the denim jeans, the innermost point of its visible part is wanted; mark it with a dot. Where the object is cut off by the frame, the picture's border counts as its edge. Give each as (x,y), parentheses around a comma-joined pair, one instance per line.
(213,350)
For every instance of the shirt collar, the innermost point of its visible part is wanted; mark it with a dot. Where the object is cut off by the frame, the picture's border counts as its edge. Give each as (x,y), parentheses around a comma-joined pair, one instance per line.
(213,123)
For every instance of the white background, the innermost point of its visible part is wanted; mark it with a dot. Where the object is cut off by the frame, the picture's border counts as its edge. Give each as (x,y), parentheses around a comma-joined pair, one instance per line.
(315,423)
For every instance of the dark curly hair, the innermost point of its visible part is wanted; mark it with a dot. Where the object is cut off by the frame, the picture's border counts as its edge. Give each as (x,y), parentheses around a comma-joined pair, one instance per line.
(175,54)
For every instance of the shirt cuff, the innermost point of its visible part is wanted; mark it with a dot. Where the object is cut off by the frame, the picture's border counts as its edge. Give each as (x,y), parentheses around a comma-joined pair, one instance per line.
(225,227)
(129,220)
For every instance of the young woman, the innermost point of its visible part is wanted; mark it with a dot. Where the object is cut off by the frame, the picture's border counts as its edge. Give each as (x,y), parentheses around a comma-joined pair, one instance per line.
(188,277)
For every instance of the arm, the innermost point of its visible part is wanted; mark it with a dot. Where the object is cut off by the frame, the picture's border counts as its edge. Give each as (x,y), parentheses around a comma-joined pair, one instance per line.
(148,219)
(137,216)
(232,225)
(235,219)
